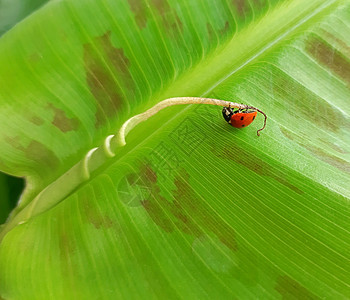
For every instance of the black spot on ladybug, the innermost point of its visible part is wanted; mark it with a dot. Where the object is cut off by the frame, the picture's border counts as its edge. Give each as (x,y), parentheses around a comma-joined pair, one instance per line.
(242,125)
(242,118)
(253,117)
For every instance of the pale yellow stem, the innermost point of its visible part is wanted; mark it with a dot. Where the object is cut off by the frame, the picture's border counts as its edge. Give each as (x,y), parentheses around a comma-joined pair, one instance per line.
(132,122)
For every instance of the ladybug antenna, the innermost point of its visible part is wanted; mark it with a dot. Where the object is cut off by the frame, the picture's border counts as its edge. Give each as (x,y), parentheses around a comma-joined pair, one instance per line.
(260,111)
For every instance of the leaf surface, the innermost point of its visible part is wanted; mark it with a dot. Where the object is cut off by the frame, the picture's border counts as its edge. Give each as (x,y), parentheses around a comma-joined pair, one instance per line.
(190,207)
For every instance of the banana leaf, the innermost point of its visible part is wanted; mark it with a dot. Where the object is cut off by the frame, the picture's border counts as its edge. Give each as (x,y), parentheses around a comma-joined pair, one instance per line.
(190,207)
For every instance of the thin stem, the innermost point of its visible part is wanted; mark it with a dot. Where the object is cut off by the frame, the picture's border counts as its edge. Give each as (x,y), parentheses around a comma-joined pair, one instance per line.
(132,122)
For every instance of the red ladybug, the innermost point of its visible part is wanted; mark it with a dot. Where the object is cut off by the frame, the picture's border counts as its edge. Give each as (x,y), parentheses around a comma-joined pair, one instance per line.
(239,118)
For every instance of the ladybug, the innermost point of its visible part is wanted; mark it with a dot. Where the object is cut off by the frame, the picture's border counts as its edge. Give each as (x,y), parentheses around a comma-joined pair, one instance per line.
(243,116)
(239,118)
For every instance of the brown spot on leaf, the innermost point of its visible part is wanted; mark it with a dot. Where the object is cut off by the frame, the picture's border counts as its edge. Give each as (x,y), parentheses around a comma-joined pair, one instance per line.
(14,141)
(225,29)
(139,8)
(148,174)
(332,160)
(334,147)
(288,134)
(253,163)
(36,120)
(62,121)
(157,208)
(318,152)
(242,6)
(37,152)
(94,217)
(170,19)
(66,245)
(304,105)
(211,33)
(345,49)
(192,211)
(34,58)
(291,289)
(155,205)
(162,7)
(258,4)
(186,211)
(328,56)
(107,74)
(117,57)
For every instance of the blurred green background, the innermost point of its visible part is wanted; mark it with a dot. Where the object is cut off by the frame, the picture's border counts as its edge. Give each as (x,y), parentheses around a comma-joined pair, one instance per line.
(13,11)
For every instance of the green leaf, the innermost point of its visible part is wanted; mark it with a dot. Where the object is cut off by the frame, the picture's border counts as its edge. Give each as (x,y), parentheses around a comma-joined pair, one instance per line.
(190,207)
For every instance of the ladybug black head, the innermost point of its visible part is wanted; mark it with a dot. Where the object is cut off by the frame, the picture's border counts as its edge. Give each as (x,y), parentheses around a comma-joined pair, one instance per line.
(227,112)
